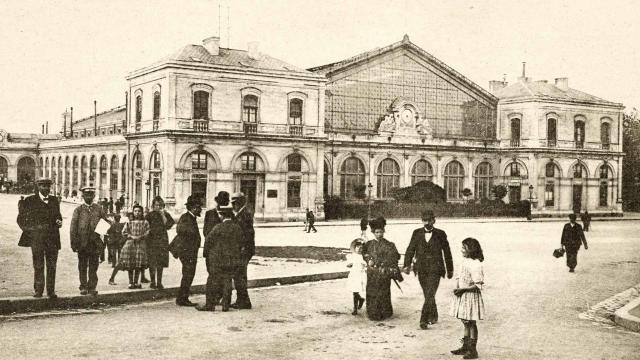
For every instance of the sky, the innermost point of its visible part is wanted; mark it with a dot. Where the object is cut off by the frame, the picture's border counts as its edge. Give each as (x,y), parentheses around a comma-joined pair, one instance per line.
(62,53)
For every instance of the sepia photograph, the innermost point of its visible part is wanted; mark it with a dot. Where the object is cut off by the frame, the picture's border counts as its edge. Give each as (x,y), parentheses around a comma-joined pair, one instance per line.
(383,179)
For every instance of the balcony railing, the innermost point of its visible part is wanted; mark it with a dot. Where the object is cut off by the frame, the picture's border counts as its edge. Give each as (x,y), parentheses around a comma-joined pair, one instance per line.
(515,142)
(295,130)
(201,125)
(250,128)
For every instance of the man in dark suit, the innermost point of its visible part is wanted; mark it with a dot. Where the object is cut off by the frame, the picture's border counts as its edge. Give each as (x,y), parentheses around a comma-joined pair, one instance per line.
(40,220)
(311,219)
(431,250)
(211,219)
(189,236)
(245,219)
(223,259)
(572,239)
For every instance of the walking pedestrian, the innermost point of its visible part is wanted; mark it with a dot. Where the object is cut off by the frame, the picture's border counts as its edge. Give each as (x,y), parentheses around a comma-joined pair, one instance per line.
(39,219)
(311,219)
(432,253)
(572,238)
(467,304)
(86,242)
(188,245)
(134,251)
(245,219)
(158,241)
(223,259)
(382,258)
(586,220)
(357,279)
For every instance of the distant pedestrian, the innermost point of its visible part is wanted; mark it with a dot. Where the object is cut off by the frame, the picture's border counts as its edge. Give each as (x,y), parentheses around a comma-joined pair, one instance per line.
(133,256)
(430,248)
(572,238)
(39,219)
(357,279)
(188,238)
(114,246)
(467,304)
(311,219)
(110,205)
(86,242)
(382,258)
(118,205)
(245,219)
(586,220)
(158,241)
(363,228)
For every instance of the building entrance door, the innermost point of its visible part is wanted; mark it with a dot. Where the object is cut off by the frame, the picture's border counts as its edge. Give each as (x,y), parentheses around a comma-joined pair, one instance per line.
(199,188)
(577,198)
(249,188)
(514,194)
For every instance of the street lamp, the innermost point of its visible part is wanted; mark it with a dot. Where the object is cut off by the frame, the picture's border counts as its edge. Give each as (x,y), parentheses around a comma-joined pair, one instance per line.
(147,185)
(530,202)
(369,187)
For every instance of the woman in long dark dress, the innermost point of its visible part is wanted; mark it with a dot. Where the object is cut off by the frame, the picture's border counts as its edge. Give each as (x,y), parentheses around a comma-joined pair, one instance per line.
(158,241)
(382,258)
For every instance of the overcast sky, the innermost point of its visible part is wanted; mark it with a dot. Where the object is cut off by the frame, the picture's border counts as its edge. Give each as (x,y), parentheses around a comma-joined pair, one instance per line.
(62,53)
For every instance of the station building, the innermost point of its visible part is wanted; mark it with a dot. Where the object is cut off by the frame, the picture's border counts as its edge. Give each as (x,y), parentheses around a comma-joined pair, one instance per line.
(206,119)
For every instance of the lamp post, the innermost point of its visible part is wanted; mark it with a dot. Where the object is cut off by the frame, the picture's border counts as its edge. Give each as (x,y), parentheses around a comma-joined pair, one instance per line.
(147,185)
(369,187)
(530,202)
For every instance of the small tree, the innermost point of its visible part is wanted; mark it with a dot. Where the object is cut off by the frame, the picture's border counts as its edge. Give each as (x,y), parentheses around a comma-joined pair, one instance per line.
(499,191)
(466,192)
(360,192)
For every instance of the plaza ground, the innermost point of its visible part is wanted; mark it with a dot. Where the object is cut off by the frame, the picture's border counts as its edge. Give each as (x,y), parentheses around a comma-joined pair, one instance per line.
(533,304)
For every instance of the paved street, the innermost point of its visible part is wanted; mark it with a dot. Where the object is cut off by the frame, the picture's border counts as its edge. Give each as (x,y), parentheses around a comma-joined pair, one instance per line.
(533,305)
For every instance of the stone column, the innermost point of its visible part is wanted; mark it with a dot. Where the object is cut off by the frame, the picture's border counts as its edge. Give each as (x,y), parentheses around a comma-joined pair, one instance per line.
(470,179)
(169,173)
(319,195)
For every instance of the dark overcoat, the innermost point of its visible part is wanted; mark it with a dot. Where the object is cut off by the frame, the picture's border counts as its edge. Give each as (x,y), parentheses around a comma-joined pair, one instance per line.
(432,257)
(37,220)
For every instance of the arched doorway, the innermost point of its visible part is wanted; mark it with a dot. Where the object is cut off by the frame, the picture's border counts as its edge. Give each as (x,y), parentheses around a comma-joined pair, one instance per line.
(137,177)
(155,174)
(26,171)
(103,176)
(578,185)
(248,177)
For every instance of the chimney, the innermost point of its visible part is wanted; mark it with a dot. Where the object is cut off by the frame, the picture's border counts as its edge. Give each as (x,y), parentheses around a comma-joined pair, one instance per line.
(212,44)
(524,77)
(64,124)
(71,122)
(562,83)
(496,85)
(252,48)
(42,129)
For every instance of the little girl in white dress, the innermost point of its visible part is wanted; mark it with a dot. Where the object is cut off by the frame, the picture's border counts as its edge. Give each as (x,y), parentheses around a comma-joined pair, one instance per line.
(357,280)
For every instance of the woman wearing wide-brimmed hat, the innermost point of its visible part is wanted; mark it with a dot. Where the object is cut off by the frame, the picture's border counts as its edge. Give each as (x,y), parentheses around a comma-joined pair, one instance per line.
(382,258)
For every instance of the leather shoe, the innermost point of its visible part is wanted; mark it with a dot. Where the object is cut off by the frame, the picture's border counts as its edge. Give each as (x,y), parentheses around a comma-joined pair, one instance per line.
(83,292)
(37,295)
(93,292)
(205,308)
(240,306)
(185,303)
(424,326)
(52,296)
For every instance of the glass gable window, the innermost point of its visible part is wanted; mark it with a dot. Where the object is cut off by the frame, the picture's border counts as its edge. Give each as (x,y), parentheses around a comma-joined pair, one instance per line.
(357,102)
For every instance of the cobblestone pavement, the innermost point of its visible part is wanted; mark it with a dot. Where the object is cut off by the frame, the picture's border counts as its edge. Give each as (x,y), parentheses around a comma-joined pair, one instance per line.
(536,308)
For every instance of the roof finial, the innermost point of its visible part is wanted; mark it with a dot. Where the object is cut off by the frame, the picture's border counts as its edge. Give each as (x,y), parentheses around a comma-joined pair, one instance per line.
(405,38)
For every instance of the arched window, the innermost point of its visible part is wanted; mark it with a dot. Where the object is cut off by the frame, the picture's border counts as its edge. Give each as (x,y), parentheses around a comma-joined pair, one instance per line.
(74,173)
(578,134)
(295,112)
(155,160)
(552,180)
(579,187)
(552,133)
(514,169)
(138,112)
(294,180)
(248,162)
(250,109)
(26,170)
(124,167)
(103,175)
(4,169)
(113,186)
(201,105)
(515,132)
(156,105)
(605,135)
(137,175)
(137,160)
(46,168)
(41,167)
(483,180)
(351,176)
(388,175)
(454,180)
(606,178)
(421,171)
(83,171)
(579,171)
(93,165)
(199,160)
(67,172)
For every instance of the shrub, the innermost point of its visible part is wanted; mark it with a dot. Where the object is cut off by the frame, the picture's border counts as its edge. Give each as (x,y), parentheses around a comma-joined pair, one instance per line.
(500,191)
(420,192)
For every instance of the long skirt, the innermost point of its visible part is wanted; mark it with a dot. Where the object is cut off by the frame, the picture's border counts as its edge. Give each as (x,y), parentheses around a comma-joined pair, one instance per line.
(133,255)
(378,297)
(158,256)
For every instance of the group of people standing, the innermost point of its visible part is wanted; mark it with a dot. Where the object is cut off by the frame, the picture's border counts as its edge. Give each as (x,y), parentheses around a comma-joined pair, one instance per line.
(143,243)
(374,266)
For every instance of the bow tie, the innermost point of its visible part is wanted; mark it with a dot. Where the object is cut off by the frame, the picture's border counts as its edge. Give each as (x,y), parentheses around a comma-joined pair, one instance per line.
(428,231)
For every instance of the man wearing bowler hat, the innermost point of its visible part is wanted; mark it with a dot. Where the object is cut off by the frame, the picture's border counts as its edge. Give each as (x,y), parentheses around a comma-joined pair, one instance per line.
(572,238)
(85,241)
(189,243)
(39,219)
(248,248)
(431,250)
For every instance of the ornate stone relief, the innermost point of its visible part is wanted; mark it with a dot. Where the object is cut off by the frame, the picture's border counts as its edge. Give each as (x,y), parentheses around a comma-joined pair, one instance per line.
(404,118)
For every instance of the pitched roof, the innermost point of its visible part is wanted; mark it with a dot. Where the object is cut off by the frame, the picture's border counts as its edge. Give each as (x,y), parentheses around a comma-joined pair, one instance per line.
(198,54)
(328,69)
(541,90)
(108,117)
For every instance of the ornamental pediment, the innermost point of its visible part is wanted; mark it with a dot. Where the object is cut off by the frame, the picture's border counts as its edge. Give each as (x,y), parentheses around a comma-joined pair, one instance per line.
(403,117)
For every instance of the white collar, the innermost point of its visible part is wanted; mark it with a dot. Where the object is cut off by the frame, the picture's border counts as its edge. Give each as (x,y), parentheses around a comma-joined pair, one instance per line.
(45,199)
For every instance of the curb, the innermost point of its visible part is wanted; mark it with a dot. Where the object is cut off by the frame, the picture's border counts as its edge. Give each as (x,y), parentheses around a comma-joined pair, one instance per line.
(14,305)
(623,318)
